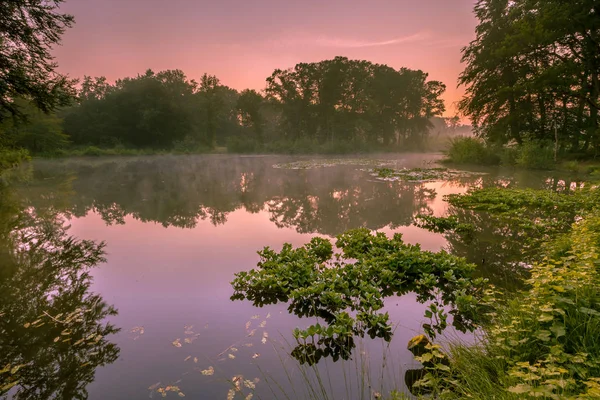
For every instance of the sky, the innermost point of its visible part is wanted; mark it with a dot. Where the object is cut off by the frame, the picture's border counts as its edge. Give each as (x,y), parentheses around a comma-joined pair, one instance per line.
(243,41)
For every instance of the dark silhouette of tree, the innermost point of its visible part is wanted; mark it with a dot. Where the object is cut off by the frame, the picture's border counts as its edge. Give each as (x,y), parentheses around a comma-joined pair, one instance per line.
(28,31)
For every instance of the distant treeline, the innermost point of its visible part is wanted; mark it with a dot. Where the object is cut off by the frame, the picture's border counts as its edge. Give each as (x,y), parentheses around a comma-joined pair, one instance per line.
(335,104)
(533,73)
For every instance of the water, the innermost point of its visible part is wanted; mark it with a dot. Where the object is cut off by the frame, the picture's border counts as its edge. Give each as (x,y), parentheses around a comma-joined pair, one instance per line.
(176,230)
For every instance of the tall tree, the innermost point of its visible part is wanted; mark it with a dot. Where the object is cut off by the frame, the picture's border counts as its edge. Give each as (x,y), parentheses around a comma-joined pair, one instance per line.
(28,31)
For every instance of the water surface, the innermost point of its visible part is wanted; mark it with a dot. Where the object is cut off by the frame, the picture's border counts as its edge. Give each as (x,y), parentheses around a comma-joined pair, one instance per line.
(177,229)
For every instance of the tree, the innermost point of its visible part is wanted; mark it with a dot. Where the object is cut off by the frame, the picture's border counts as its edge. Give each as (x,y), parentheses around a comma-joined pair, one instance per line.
(28,31)
(533,72)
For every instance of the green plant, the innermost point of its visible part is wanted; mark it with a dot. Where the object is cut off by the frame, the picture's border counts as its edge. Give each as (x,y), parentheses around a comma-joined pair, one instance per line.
(370,267)
(535,155)
(470,150)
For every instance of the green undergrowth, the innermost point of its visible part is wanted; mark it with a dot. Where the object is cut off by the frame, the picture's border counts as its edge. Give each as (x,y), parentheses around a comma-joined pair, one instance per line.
(11,158)
(543,341)
(529,154)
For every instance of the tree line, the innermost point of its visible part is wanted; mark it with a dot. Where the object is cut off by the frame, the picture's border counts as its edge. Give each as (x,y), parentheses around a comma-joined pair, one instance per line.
(532,73)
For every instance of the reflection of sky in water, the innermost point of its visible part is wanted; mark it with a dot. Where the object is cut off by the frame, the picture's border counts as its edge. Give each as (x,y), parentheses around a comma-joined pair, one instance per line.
(164,278)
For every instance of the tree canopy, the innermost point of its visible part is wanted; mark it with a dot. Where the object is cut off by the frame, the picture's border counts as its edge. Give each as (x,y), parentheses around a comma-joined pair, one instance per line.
(532,72)
(28,31)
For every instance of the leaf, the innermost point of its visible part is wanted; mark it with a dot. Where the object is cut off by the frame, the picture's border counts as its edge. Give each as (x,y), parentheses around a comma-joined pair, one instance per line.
(187,358)
(208,372)
(195,360)
(177,343)
(520,389)
(589,311)
(256,355)
(27,325)
(545,317)
(231,356)
(230,394)
(56,339)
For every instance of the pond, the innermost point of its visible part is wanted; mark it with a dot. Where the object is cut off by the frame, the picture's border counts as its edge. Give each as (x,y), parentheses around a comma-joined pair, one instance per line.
(157,310)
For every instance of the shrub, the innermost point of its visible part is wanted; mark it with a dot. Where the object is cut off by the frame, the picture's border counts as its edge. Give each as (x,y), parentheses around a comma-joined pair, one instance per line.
(535,155)
(12,158)
(469,150)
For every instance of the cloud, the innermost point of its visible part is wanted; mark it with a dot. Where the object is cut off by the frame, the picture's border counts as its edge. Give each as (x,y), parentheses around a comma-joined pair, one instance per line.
(354,44)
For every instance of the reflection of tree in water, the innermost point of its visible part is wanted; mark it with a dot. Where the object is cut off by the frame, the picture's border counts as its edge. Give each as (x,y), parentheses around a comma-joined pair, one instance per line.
(180,191)
(51,335)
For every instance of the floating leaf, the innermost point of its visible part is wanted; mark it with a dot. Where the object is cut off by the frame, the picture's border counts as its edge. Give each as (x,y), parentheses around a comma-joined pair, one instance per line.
(231,356)
(264,338)
(157,384)
(234,349)
(249,384)
(177,343)
(230,394)
(256,355)
(195,360)
(255,316)
(247,325)
(268,315)
(27,325)
(208,372)
(180,394)
(248,344)
(56,339)
(263,324)
(250,395)
(187,358)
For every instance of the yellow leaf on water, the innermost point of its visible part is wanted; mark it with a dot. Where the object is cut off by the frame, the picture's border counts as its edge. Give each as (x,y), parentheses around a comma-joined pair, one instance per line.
(231,356)
(230,394)
(177,342)
(195,360)
(247,325)
(187,358)
(56,339)
(181,394)
(252,332)
(250,395)
(27,325)
(263,324)
(268,315)
(234,349)
(208,372)
(255,316)
(256,355)
(248,344)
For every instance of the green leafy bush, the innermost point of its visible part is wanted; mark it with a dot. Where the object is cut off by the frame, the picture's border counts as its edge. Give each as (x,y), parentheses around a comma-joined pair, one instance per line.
(12,158)
(469,150)
(370,267)
(535,155)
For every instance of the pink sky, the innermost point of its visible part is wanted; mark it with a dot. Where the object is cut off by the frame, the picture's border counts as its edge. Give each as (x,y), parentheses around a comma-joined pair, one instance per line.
(243,41)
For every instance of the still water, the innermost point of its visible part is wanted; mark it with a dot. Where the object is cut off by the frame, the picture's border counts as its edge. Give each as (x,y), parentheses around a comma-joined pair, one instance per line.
(176,230)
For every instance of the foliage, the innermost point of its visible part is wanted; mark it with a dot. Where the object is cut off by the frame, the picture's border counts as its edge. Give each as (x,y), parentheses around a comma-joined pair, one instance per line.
(28,31)
(12,158)
(544,342)
(532,72)
(40,133)
(354,100)
(369,268)
(535,156)
(469,150)
(334,106)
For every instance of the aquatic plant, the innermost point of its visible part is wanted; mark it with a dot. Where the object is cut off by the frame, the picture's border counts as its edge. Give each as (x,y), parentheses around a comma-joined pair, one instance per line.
(346,290)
